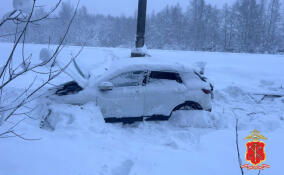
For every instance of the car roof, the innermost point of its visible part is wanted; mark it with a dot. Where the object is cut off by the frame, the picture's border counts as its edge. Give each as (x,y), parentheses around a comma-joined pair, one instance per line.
(136,64)
(147,63)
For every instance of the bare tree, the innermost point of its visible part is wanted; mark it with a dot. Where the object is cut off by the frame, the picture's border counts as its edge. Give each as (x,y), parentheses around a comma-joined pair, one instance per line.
(14,105)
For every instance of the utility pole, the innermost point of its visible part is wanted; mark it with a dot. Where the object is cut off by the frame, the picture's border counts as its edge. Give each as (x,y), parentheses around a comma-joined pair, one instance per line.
(139,50)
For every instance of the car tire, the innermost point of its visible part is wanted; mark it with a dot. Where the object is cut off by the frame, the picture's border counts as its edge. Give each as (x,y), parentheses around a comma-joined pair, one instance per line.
(189,105)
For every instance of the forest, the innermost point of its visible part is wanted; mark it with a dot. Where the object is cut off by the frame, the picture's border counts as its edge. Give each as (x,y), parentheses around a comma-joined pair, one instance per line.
(253,26)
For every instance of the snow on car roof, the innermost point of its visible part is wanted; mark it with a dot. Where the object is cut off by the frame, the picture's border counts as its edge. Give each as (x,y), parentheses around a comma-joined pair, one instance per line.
(148,63)
(133,64)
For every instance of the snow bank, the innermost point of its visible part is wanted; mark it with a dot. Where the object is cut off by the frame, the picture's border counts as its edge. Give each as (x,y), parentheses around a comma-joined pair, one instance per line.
(76,117)
(198,119)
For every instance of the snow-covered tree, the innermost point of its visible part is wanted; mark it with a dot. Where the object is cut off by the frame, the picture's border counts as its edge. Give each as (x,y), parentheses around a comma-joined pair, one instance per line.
(273,26)
(196,14)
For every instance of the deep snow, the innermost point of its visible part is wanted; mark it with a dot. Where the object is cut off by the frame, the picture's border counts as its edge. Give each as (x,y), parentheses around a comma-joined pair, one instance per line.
(190,143)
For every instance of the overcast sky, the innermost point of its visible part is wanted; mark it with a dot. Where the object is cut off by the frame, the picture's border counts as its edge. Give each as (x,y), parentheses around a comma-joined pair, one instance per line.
(114,7)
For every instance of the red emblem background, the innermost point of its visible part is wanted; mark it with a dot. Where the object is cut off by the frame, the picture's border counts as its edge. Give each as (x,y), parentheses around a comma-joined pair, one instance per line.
(255,152)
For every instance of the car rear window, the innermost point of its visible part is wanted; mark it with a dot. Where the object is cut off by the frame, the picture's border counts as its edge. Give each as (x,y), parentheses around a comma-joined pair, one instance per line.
(200,76)
(165,76)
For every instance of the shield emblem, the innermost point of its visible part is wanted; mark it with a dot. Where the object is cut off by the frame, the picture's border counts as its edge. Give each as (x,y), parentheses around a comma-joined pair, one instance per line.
(255,152)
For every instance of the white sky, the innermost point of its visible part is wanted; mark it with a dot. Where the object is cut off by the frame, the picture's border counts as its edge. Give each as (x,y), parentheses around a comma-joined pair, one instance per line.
(114,7)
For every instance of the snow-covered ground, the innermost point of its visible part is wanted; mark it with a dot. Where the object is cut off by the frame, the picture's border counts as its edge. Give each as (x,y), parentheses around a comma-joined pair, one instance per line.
(198,143)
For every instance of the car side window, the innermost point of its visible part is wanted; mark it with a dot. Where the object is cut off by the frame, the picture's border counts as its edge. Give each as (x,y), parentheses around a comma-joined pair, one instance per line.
(128,79)
(164,75)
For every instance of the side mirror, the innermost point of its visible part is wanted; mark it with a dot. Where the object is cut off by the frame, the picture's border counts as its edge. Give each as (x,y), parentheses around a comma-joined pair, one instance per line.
(106,86)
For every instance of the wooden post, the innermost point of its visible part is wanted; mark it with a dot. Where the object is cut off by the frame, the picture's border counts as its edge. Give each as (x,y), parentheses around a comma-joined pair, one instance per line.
(141,25)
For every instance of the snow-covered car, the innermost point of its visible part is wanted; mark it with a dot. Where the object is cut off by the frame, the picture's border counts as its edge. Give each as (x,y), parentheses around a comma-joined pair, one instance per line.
(139,89)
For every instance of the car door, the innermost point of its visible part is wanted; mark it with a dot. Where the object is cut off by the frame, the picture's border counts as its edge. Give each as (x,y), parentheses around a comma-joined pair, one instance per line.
(126,99)
(164,91)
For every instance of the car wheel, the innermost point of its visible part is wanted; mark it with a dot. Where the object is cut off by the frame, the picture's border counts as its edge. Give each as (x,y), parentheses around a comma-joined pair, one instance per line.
(188,106)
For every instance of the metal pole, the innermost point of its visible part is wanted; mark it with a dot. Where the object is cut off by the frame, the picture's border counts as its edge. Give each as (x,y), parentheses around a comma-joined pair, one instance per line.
(141,25)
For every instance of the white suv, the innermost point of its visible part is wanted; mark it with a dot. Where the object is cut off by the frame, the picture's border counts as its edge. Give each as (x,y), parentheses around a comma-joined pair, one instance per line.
(140,89)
